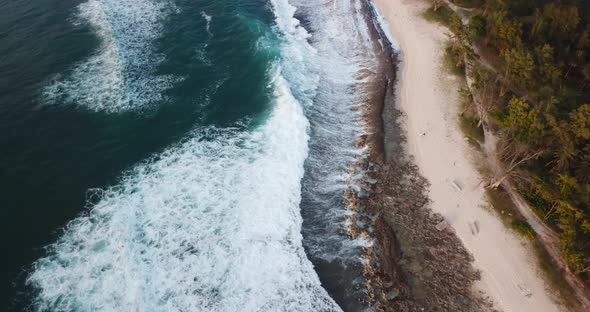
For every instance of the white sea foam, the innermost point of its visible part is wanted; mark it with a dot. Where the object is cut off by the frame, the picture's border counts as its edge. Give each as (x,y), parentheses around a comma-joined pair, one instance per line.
(342,48)
(201,55)
(299,66)
(208,19)
(120,75)
(210,225)
(213,224)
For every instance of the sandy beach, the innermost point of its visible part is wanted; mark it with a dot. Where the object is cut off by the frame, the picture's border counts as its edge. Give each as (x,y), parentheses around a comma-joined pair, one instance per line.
(430,100)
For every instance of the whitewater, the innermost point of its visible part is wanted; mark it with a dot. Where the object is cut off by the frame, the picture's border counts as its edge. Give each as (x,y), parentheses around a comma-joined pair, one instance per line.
(208,225)
(214,222)
(121,75)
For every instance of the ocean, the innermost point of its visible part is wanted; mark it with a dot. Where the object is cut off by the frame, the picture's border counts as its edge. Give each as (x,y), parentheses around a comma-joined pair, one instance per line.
(182,155)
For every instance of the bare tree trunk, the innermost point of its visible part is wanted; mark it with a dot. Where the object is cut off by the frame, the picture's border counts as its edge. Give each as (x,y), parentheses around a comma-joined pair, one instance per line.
(550,212)
(486,103)
(518,155)
(498,182)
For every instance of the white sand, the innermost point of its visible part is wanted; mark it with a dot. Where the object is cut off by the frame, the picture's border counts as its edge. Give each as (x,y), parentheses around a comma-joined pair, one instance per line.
(429,97)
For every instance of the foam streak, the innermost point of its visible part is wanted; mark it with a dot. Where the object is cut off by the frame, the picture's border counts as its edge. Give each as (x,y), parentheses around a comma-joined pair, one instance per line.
(120,76)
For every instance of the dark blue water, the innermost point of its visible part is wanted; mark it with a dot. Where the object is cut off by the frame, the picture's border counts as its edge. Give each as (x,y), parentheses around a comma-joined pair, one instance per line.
(140,138)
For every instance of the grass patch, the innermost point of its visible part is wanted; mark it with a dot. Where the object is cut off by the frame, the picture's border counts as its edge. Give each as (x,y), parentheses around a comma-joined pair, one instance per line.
(470,129)
(443,15)
(468,118)
(554,277)
(468,121)
(473,133)
(477,27)
(451,61)
(502,204)
(523,228)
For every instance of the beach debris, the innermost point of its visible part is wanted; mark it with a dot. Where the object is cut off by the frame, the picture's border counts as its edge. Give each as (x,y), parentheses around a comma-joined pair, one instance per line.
(474,227)
(525,290)
(457,185)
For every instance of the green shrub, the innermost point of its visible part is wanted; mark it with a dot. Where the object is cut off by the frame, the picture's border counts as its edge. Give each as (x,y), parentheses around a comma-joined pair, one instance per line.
(523,228)
(454,61)
(443,15)
(477,26)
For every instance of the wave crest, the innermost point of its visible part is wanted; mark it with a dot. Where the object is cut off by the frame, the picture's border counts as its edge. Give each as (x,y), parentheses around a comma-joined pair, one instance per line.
(212,224)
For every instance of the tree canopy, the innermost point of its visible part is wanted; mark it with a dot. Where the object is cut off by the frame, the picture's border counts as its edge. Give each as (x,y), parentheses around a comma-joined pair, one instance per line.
(542,64)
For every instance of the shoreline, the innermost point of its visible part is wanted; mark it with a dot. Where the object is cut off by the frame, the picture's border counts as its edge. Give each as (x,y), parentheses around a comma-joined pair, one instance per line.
(407,268)
(429,101)
(379,266)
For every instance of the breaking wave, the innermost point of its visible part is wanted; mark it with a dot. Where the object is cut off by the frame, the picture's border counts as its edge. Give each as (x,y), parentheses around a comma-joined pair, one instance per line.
(211,224)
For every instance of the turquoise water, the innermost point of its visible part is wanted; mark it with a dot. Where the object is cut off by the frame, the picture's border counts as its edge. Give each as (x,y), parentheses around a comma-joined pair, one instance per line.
(179,155)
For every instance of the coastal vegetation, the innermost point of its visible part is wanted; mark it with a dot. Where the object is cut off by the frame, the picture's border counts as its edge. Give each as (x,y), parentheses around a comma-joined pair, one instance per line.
(528,63)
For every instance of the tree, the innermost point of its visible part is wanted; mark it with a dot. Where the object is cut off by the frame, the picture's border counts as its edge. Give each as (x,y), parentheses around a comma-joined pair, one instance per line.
(521,141)
(495,6)
(573,225)
(477,26)
(569,136)
(549,71)
(485,92)
(565,184)
(574,60)
(519,67)
(561,21)
(539,24)
(503,31)
(460,40)
(544,128)
(579,122)
(586,74)
(582,168)
(512,156)
(563,147)
(523,123)
(584,39)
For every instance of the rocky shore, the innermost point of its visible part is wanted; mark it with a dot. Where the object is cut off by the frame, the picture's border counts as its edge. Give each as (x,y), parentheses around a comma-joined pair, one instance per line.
(416,262)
